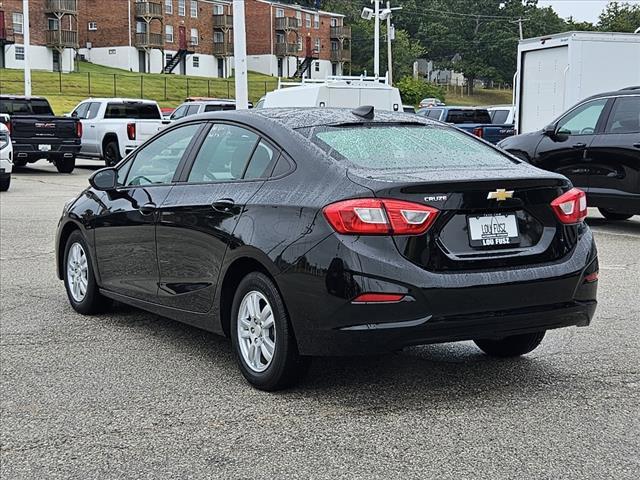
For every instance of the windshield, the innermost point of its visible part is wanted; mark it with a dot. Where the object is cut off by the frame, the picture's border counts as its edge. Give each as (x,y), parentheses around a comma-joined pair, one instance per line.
(393,146)
(468,116)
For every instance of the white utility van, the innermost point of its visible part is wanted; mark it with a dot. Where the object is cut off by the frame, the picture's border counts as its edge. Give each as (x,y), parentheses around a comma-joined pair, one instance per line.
(557,71)
(335,92)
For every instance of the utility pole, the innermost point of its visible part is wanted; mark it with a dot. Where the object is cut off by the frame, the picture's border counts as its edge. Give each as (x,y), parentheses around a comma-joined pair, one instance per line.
(391,34)
(240,55)
(27,43)
(519,22)
(376,39)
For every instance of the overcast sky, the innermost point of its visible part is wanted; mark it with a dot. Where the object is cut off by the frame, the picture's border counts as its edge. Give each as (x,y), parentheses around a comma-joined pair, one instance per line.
(581,10)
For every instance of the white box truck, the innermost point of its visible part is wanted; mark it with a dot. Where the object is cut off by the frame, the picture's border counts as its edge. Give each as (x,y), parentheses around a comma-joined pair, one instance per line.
(557,71)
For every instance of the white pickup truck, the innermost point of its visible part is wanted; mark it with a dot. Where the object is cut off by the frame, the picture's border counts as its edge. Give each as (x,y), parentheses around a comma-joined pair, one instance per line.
(6,152)
(114,127)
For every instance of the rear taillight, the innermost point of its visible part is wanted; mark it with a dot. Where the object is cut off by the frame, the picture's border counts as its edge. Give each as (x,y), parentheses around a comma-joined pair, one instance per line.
(478,132)
(372,216)
(571,206)
(131,131)
(8,125)
(79,129)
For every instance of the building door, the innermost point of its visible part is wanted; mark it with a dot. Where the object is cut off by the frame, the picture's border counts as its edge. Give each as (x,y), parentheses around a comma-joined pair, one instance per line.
(56,61)
(142,61)
(220,68)
(182,38)
(183,66)
(280,67)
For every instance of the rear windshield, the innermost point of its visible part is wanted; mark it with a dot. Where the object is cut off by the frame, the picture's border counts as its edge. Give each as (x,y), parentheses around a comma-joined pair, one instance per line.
(468,116)
(392,146)
(499,116)
(136,111)
(25,107)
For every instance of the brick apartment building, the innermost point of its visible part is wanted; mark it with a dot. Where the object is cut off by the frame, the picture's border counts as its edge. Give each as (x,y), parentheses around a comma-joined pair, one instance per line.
(193,37)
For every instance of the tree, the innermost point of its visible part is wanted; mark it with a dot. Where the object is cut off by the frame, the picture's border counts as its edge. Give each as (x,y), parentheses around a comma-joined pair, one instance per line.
(619,17)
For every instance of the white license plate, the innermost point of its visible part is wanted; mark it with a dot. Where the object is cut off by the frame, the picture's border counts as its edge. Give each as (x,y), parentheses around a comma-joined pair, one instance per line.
(493,230)
(43,147)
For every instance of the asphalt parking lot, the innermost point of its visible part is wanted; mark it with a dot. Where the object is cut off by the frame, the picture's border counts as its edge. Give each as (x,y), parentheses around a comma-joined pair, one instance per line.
(132,395)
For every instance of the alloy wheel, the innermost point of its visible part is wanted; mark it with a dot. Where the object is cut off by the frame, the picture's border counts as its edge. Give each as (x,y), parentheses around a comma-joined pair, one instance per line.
(77,272)
(256,331)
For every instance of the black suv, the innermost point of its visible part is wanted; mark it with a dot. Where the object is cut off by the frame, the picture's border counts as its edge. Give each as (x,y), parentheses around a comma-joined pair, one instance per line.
(597,145)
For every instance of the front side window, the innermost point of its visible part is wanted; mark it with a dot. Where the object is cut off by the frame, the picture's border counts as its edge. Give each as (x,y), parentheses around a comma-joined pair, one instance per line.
(223,155)
(179,112)
(156,163)
(18,22)
(582,120)
(625,116)
(81,111)
(400,147)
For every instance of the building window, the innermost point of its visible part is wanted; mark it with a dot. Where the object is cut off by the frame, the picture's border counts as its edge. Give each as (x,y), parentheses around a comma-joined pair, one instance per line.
(299,44)
(317,65)
(307,20)
(218,9)
(18,21)
(299,18)
(93,26)
(218,37)
(19,53)
(53,24)
(196,62)
(141,27)
(334,22)
(317,48)
(168,7)
(279,12)
(168,33)
(194,9)
(194,36)
(279,38)
(316,21)
(334,46)
(182,9)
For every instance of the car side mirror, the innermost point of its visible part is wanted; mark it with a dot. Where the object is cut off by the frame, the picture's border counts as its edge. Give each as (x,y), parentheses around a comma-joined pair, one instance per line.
(549,131)
(105,179)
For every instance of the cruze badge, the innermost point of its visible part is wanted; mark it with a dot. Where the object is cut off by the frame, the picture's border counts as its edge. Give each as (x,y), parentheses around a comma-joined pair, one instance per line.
(500,195)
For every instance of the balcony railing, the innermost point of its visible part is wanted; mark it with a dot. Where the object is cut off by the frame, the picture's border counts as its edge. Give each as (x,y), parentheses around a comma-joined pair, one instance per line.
(340,32)
(148,9)
(223,21)
(341,55)
(61,38)
(287,23)
(222,49)
(286,49)
(69,7)
(149,40)
(6,35)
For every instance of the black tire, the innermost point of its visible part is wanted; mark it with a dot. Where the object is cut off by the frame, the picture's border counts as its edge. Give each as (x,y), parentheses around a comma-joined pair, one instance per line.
(287,366)
(66,165)
(512,346)
(111,153)
(614,216)
(4,183)
(19,163)
(93,301)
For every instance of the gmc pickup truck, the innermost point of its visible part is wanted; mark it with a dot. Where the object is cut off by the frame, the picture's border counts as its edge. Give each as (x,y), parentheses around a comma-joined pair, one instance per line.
(471,119)
(115,127)
(36,133)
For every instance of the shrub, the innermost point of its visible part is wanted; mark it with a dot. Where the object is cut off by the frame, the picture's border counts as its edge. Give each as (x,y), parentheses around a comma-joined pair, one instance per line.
(413,90)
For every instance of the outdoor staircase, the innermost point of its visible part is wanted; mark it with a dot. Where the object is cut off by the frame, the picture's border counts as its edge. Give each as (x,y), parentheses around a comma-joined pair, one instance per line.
(175,60)
(303,67)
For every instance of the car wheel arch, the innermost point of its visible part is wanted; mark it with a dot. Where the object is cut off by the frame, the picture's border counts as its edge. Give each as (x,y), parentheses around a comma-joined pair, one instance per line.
(65,233)
(109,137)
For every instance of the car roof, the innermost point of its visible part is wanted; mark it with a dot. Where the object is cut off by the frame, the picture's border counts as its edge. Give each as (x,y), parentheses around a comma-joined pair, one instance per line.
(120,100)
(21,97)
(635,90)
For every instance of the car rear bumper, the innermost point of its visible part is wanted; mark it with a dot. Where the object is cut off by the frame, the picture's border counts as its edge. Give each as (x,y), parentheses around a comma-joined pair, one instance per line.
(614,200)
(30,152)
(437,307)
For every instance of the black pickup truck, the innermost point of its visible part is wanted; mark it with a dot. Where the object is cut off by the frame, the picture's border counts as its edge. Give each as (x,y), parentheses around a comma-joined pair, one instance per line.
(36,133)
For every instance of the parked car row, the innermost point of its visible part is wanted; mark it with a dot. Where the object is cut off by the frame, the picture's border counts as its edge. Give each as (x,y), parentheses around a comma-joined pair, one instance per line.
(6,157)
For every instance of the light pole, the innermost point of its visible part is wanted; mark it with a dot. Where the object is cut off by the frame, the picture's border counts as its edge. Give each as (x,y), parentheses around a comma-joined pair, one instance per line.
(378,15)
(376,39)
(27,42)
(240,55)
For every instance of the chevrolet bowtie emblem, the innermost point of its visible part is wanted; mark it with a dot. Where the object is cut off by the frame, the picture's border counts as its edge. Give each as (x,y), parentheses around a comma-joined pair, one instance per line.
(500,195)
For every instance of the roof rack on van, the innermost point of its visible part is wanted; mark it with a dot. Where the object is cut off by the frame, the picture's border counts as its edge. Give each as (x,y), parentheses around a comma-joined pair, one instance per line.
(331,79)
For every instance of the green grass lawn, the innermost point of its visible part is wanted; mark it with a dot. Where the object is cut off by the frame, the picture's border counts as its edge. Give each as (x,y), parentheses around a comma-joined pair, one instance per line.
(66,90)
(481,96)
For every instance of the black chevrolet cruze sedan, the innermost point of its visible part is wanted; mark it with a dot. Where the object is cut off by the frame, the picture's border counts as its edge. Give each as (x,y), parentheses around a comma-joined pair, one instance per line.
(596,144)
(302,232)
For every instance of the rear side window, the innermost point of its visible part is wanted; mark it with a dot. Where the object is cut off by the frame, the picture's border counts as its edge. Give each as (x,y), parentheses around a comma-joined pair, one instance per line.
(223,155)
(262,162)
(468,116)
(192,109)
(434,113)
(403,147)
(136,111)
(217,108)
(499,116)
(625,116)
(25,107)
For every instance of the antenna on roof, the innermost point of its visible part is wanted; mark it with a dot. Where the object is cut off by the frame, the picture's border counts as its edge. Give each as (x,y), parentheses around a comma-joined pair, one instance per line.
(365,111)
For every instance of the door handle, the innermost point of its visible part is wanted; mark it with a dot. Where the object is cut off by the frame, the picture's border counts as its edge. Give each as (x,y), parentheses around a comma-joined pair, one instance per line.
(578,146)
(147,208)
(637,145)
(92,126)
(223,205)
